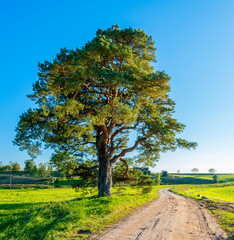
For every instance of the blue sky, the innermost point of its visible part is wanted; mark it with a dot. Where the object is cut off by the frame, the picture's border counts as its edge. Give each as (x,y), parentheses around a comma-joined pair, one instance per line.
(195,46)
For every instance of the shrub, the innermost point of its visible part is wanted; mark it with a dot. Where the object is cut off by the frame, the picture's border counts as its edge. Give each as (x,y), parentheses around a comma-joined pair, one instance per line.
(157,179)
(164,173)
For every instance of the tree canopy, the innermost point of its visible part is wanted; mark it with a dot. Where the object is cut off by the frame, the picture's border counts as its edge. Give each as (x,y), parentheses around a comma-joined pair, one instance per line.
(195,170)
(211,170)
(94,101)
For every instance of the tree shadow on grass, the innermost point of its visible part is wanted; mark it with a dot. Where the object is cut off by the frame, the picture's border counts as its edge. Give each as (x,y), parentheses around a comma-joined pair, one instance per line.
(31,221)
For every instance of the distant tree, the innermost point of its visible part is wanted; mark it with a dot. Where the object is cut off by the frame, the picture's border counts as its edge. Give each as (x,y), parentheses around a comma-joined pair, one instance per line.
(195,170)
(29,165)
(212,170)
(164,173)
(215,179)
(42,170)
(49,168)
(7,168)
(157,178)
(178,171)
(35,171)
(1,166)
(16,167)
(90,100)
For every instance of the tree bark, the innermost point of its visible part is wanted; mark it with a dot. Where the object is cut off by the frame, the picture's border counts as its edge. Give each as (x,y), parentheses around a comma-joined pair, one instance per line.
(104,176)
(105,168)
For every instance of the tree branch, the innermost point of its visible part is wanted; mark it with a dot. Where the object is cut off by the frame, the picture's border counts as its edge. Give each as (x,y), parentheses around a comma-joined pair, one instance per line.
(127,167)
(120,130)
(117,157)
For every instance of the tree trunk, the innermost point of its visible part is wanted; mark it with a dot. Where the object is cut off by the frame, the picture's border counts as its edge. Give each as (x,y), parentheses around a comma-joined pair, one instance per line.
(104,174)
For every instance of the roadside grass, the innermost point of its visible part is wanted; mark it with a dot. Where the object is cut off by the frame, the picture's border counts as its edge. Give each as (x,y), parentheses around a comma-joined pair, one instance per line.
(63,213)
(219,196)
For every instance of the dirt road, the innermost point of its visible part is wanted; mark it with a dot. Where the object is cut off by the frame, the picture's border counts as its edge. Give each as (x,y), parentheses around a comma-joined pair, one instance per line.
(170,217)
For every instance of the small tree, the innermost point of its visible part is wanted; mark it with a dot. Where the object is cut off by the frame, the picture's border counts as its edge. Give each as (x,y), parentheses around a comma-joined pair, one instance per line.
(42,170)
(49,169)
(157,179)
(178,171)
(212,170)
(195,170)
(29,165)
(164,173)
(35,171)
(16,167)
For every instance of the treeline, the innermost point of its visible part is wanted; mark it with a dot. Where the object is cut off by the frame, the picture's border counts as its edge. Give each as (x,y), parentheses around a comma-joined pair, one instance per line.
(42,170)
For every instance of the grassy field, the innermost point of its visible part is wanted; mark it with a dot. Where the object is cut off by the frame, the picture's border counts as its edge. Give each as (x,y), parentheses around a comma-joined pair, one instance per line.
(216,194)
(196,178)
(63,213)
(222,177)
(219,192)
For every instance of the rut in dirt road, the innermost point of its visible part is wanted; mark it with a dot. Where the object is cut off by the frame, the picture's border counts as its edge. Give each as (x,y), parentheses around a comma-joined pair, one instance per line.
(170,217)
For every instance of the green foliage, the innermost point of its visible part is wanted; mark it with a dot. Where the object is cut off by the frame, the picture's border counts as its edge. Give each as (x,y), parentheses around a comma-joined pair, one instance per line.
(35,171)
(164,173)
(195,170)
(212,170)
(29,165)
(109,80)
(42,170)
(157,179)
(123,174)
(16,167)
(90,100)
(7,168)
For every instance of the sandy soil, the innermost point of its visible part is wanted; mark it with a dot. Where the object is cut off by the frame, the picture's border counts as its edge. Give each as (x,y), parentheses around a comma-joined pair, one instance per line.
(170,217)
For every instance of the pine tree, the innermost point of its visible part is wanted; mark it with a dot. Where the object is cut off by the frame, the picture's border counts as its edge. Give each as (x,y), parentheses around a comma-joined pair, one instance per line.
(91,100)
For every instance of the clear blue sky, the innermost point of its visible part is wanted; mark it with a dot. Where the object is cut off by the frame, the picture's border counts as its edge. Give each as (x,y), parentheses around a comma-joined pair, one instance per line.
(195,46)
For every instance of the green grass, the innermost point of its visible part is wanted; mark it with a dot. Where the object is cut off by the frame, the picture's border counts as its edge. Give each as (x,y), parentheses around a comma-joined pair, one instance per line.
(63,213)
(223,178)
(222,192)
(175,179)
(217,193)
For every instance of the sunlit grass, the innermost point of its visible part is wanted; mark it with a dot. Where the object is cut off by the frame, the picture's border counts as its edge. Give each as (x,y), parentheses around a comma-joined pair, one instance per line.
(63,213)
(221,177)
(217,191)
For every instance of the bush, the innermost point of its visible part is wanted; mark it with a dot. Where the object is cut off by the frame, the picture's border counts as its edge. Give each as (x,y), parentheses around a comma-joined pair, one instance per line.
(157,179)
(16,167)
(164,173)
